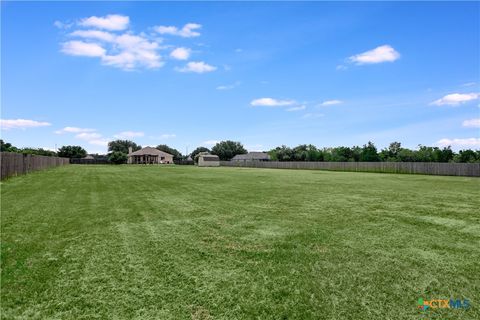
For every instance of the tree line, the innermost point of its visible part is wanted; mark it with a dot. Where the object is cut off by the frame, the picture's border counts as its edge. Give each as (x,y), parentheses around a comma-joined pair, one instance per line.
(369,152)
(226,150)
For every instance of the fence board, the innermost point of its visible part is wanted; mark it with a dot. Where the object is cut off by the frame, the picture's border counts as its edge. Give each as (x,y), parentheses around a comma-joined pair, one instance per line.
(14,164)
(431,168)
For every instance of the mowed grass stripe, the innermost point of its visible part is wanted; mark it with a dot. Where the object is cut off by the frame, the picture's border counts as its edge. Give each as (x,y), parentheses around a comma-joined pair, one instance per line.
(177,242)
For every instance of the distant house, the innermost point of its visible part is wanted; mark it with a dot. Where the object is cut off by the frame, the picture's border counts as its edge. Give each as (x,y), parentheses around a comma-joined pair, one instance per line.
(252,156)
(89,157)
(208,160)
(149,155)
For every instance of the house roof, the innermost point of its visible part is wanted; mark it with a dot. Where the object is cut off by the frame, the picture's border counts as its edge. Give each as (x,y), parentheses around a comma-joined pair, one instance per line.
(252,156)
(89,157)
(150,152)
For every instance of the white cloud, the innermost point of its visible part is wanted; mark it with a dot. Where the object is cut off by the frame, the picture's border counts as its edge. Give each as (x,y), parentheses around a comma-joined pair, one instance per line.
(472,123)
(94,34)
(228,86)
(80,48)
(331,102)
(180,53)
(129,134)
(197,67)
(74,130)
(99,142)
(88,136)
(341,67)
(312,115)
(93,138)
(135,51)
(380,54)
(297,108)
(127,50)
(271,102)
(469,84)
(187,31)
(455,99)
(112,22)
(465,143)
(167,136)
(210,142)
(7,124)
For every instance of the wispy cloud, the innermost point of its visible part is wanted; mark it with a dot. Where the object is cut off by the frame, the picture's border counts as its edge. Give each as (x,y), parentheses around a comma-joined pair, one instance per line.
(164,136)
(129,134)
(210,142)
(271,102)
(312,115)
(74,130)
(472,123)
(229,86)
(460,143)
(62,25)
(99,142)
(197,67)
(180,53)
(380,54)
(88,136)
(188,30)
(94,34)
(331,102)
(299,108)
(456,99)
(254,147)
(7,124)
(112,22)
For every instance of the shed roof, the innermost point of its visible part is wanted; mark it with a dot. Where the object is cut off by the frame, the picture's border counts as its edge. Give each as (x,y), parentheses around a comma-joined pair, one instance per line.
(149,151)
(209,157)
(252,156)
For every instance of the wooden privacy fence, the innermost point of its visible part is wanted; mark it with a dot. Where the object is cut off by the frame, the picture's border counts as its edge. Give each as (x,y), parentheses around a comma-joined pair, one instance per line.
(13,164)
(433,168)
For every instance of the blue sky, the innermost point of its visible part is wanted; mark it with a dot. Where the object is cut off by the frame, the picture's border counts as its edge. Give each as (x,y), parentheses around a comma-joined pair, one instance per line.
(263,73)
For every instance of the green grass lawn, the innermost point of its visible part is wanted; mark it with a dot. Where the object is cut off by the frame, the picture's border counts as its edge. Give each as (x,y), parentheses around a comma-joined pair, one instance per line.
(178,242)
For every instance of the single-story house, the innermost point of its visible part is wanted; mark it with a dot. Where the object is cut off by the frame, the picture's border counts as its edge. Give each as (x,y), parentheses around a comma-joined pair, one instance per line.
(149,155)
(88,157)
(252,156)
(208,160)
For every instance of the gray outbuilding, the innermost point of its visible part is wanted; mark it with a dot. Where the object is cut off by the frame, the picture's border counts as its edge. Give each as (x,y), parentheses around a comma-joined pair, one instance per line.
(252,156)
(208,160)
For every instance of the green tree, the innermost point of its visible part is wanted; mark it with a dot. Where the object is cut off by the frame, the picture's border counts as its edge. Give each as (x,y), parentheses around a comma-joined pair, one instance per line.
(117,157)
(195,152)
(226,150)
(7,147)
(300,153)
(39,151)
(282,153)
(445,154)
(71,152)
(174,152)
(369,152)
(467,156)
(122,146)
